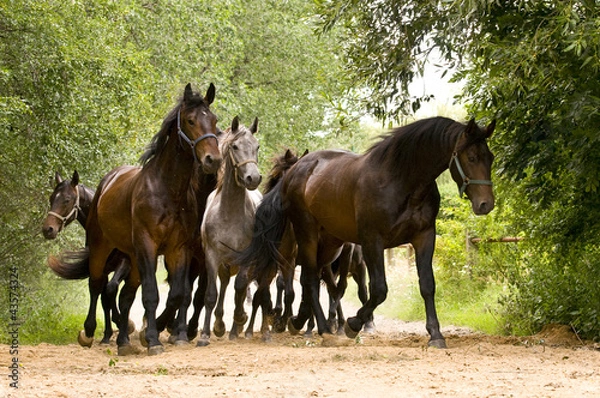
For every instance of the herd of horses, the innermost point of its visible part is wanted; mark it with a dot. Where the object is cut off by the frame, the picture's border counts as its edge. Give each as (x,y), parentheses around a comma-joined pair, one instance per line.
(194,200)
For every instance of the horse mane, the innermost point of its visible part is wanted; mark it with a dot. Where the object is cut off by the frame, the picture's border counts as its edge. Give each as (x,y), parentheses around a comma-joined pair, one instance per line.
(160,139)
(399,150)
(281,164)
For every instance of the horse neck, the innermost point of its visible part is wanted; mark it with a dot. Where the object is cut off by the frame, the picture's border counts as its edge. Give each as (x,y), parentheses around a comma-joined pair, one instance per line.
(429,164)
(173,168)
(86,196)
(232,195)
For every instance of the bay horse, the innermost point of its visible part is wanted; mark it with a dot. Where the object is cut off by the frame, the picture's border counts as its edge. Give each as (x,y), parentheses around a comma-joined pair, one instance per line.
(151,211)
(71,201)
(381,199)
(228,222)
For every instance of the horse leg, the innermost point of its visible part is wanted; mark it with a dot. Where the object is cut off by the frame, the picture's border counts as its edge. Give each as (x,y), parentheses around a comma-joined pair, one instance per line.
(126,298)
(288,277)
(192,331)
(179,296)
(267,310)
(219,326)
(280,284)
(424,246)
(329,279)
(146,265)
(240,317)
(210,299)
(359,274)
(108,304)
(96,286)
(256,302)
(310,304)
(373,254)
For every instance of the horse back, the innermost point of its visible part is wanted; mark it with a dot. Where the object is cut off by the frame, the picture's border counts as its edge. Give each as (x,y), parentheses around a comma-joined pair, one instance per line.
(110,214)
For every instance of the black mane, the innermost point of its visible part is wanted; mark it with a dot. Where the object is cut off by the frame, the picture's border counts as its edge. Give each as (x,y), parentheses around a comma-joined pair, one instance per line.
(161,138)
(408,146)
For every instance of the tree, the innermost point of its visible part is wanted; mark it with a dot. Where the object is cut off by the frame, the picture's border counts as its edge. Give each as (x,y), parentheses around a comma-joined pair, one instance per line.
(535,67)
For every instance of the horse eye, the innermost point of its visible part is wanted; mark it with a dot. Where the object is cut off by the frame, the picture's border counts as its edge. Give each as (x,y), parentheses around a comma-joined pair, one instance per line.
(235,147)
(472,159)
(190,122)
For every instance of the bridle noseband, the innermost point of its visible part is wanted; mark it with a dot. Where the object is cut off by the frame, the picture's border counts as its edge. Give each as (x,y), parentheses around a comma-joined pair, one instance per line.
(73,213)
(466,180)
(236,166)
(191,143)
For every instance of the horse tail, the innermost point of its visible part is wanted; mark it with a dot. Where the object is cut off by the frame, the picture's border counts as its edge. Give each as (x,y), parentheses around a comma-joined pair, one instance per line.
(270,222)
(71,265)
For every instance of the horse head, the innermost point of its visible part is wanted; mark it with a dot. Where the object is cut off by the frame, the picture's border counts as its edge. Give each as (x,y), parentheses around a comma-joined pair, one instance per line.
(197,126)
(471,164)
(240,149)
(64,205)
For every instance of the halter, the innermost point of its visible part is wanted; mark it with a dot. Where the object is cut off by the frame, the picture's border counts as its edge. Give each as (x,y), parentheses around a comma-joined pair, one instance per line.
(237,165)
(73,213)
(191,143)
(466,180)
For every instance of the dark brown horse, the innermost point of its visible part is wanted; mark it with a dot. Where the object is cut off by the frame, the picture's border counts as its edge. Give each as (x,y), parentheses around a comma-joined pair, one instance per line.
(71,201)
(151,211)
(382,199)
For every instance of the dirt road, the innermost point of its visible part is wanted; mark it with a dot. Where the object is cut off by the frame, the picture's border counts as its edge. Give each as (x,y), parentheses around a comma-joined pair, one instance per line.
(394,362)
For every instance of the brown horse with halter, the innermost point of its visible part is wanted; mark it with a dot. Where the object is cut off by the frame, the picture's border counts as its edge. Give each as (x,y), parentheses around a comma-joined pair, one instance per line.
(148,212)
(381,199)
(71,201)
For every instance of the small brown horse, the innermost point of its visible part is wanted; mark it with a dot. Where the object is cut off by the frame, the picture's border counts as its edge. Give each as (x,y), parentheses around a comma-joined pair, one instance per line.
(152,211)
(381,199)
(71,201)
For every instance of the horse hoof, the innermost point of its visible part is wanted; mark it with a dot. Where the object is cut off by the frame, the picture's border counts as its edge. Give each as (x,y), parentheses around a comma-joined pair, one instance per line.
(266,338)
(177,341)
(233,336)
(292,328)
(180,342)
(105,341)
(192,334)
(127,349)
(369,328)
(130,327)
(85,341)
(156,350)
(279,325)
(350,333)
(219,329)
(143,340)
(202,342)
(437,343)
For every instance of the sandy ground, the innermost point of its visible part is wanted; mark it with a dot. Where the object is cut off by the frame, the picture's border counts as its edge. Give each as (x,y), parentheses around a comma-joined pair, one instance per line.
(394,362)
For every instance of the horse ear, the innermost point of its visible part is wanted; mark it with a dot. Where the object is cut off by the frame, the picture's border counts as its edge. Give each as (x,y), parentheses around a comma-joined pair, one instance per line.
(490,129)
(288,154)
(210,94)
(57,178)
(305,153)
(75,179)
(188,92)
(235,124)
(254,127)
(471,127)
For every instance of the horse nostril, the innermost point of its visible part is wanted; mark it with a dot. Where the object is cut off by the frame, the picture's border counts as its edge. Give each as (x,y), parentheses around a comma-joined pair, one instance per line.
(208,160)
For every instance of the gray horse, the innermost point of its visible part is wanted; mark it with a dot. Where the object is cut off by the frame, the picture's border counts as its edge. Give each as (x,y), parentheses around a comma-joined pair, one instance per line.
(228,222)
